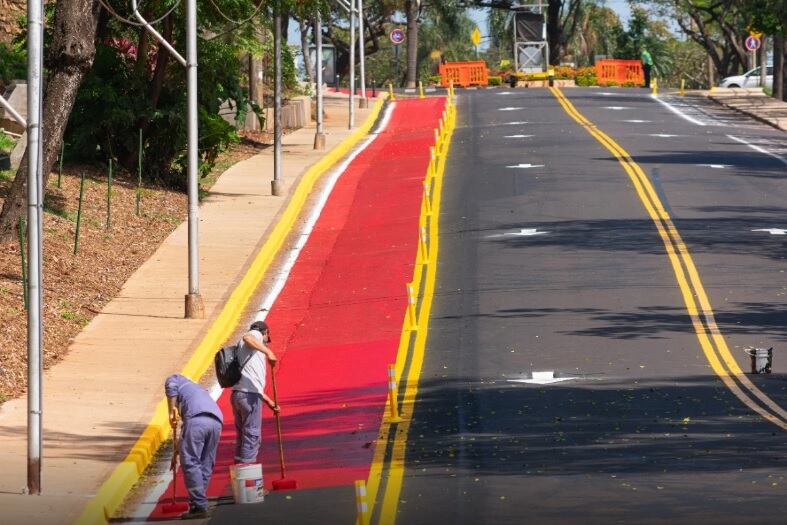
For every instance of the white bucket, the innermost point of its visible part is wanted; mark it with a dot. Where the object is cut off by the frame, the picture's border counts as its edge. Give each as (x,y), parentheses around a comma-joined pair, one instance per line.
(247,483)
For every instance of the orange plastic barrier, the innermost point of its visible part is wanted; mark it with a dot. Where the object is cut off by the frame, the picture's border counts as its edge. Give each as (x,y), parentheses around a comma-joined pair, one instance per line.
(464,73)
(619,71)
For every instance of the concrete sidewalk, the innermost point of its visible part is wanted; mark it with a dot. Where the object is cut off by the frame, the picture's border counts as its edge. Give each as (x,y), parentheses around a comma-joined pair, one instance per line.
(100,398)
(753,102)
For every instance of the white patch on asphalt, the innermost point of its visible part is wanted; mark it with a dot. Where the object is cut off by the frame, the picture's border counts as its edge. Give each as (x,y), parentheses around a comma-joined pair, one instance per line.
(772,231)
(616,108)
(715,166)
(663,135)
(526,166)
(520,123)
(506,93)
(759,149)
(524,232)
(153,495)
(510,109)
(542,378)
(518,136)
(677,111)
(635,121)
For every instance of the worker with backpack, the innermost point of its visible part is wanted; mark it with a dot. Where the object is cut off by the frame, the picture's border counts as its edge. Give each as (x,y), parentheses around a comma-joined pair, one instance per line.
(244,368)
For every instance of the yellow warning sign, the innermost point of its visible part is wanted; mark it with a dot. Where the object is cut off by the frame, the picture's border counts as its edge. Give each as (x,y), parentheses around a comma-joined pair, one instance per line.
(475,37)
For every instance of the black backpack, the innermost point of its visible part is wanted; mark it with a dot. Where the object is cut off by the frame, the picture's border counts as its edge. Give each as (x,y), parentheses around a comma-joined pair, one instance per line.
(228,366)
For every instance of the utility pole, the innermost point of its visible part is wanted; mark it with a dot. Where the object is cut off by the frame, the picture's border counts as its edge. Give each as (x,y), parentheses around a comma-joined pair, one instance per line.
(351,123)
(35,340)
(362,55)
(195,308)
(276,182)
(319,136)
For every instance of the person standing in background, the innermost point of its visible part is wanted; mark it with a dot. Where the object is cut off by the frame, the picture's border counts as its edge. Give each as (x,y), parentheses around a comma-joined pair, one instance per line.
(647,64)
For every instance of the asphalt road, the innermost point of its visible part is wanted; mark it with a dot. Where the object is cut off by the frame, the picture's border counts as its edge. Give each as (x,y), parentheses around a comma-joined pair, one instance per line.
(644,431)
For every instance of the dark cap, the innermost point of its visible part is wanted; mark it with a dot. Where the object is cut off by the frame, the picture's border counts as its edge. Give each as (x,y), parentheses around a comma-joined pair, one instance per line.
(260,326)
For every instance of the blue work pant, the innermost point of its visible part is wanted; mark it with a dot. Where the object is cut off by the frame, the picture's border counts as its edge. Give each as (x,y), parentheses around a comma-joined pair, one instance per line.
(247,410)
(198,446)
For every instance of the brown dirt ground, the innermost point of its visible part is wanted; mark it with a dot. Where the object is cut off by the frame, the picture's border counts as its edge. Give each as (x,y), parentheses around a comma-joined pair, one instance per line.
(77,287)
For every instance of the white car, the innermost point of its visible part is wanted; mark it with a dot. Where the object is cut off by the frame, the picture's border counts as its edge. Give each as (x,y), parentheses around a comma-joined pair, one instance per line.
(749,79)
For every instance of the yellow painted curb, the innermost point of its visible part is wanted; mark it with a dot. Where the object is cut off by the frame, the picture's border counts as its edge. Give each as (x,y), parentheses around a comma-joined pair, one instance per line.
(112,492)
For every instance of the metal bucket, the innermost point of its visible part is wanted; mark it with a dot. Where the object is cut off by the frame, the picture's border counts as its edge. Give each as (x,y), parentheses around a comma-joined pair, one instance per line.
(761,360)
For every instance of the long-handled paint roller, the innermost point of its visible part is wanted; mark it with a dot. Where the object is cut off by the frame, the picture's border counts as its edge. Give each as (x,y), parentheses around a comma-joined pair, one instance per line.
(283,483)
(174,506)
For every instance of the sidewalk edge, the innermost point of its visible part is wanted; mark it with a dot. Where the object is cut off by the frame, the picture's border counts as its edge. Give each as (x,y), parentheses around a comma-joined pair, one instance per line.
(749,113)
(113,491)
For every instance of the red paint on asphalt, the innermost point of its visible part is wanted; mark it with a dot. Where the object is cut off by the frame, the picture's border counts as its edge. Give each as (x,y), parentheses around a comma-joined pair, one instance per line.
(337,322)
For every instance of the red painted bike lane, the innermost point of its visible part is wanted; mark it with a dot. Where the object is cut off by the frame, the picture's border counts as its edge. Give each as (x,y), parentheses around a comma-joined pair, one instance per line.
(337,322)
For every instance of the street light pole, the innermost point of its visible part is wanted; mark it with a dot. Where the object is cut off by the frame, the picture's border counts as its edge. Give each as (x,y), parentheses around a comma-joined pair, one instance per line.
(195,308)
(362,55)
(276,188)
(319,136)
(351,123)
(35,50)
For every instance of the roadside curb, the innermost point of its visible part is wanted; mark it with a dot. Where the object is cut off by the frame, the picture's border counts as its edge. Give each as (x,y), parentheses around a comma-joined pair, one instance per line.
(113,491)
(765,120)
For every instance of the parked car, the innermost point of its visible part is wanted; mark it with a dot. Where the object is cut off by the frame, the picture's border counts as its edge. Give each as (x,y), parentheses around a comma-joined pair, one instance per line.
(749,79)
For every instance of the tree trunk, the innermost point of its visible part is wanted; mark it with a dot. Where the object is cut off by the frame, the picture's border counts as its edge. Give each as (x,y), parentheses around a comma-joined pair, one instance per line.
(554,31)
(307,58)
(778,67)
(784,69)
(70,59)
(412,43)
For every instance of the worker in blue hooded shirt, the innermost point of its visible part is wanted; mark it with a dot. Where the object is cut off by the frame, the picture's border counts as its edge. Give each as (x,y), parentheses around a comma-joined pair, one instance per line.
(202,421)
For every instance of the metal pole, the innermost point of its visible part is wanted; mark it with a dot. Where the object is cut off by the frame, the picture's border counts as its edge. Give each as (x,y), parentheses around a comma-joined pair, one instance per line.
(35,46)
(195,309)
(362,55)
(319,136)
(351,123)
(276,182)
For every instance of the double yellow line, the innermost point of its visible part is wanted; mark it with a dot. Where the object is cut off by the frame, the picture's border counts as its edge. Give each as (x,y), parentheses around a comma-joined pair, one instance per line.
(697,303)
(386,474)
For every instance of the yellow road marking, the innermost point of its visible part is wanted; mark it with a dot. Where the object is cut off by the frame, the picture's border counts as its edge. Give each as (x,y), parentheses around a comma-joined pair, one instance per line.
(714,347)
(395,466)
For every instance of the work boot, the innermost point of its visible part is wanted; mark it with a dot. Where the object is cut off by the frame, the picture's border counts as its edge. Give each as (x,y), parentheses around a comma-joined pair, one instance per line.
(194,513)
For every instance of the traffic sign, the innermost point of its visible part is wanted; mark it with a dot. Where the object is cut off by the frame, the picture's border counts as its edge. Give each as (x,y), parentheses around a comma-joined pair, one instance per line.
(753,43)
(397,36)
(475,37)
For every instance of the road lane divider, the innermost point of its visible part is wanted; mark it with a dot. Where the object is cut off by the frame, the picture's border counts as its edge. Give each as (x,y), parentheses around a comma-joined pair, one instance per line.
(692,290)
(386,473)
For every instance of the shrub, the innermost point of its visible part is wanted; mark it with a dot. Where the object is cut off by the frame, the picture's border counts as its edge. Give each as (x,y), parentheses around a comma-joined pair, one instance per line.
(586,76)
(495,81)
(13,64)
(435,79)
(565,73)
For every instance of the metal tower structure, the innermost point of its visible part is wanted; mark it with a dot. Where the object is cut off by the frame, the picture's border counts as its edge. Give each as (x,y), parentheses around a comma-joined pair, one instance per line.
(531,49)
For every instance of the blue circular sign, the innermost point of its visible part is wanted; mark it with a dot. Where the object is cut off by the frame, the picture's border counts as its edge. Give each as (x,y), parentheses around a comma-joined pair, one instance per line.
(397,36)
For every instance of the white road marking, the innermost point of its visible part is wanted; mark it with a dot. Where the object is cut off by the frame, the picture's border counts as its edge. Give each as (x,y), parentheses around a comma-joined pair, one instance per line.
(526,166)
(161,482)
(759,149)
(510,109)
(616,108)
(634,121)
(506,93)
(518,136)
(772,231)
(677,111)
(663,135)
(524,232)
(542,378)
(715,166)
(520,123)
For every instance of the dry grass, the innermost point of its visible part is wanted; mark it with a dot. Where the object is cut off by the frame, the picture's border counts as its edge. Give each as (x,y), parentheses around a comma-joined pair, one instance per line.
(76,287)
